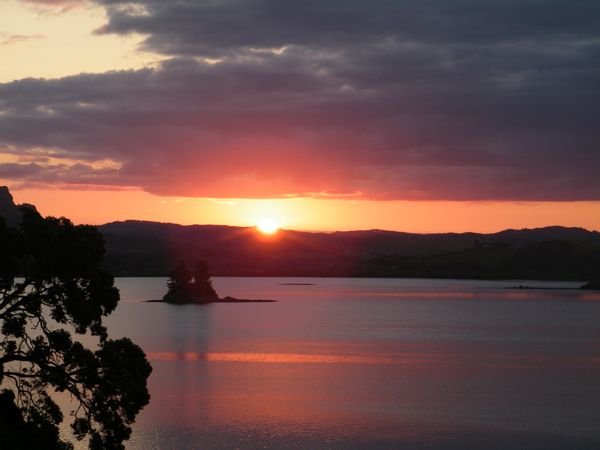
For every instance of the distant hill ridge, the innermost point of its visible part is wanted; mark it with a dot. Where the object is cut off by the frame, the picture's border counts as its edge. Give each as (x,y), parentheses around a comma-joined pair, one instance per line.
(143,248)
(555,252)
(552,232)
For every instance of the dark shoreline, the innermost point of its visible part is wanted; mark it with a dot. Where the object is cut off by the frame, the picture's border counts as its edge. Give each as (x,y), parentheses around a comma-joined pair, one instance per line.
(416,277)
(221,300)
(540,288)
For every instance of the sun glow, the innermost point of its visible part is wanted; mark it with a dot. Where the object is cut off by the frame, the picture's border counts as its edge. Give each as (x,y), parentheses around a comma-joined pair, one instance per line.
(267,226)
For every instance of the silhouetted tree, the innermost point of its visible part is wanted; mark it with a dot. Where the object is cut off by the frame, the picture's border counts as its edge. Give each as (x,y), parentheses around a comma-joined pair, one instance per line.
(62,289)
(186,287)
(179,277)
(201,274)
(202,281)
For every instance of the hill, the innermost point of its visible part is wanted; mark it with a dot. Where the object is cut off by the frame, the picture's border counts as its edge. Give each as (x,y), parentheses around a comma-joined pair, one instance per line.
(151,248)
(139,248)
(9,210)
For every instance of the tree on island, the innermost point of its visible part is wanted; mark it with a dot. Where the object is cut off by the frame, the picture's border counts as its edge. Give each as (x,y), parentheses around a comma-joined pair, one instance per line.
(53,284)
(179,277)
(190,287)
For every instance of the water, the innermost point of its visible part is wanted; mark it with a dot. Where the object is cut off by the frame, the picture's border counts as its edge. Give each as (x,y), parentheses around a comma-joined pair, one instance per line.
(368,364)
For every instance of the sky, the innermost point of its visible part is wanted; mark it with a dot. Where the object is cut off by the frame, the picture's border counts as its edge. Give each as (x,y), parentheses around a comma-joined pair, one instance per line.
(411,115)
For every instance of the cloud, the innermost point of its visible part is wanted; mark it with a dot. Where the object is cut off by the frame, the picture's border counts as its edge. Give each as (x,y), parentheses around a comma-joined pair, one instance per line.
(55,7)
(459,99)
(19,38)
(61,4)
(217,27)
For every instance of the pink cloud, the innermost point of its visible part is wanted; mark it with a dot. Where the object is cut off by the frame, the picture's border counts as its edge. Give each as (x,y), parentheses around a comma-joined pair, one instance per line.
(353,98)
(19,38)
(55,5)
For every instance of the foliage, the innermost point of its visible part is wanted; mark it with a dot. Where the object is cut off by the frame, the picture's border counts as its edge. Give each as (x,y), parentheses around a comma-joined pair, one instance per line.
(546,259)
(62,288)
(180,276)
(190,287)
(201,273)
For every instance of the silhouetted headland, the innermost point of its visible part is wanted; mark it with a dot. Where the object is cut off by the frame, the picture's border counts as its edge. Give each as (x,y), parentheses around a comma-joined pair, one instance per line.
(9,211)
(546,288)
(593,285)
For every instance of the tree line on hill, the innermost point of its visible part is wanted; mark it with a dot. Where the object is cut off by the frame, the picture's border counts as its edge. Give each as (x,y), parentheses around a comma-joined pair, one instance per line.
(139,248)
(552,253)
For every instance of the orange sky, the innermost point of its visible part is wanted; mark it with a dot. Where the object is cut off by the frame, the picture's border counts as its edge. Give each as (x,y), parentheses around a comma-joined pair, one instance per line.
(97,207)
(281,126)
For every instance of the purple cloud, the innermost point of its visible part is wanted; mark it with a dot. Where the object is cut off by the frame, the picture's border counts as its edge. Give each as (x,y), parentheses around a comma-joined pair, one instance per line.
(383,99)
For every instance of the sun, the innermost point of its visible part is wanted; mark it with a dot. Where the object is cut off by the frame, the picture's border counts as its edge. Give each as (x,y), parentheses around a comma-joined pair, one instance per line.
(267,226)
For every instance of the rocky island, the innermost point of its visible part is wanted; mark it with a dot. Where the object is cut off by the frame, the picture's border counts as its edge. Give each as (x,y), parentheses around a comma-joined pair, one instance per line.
(185,287)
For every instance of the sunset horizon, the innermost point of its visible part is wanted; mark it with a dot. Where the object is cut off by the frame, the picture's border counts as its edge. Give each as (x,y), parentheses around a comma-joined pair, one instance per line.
(298,213)
(138,110)
(311,224)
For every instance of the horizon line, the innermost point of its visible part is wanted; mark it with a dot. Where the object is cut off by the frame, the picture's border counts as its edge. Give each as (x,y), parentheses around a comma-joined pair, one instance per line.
(358,230)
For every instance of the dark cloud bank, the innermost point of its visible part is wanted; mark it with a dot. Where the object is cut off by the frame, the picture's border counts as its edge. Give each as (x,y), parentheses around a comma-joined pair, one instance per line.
(399,99)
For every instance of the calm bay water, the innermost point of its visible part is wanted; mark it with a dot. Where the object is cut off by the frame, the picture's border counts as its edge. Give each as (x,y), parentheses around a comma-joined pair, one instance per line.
(368,364)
